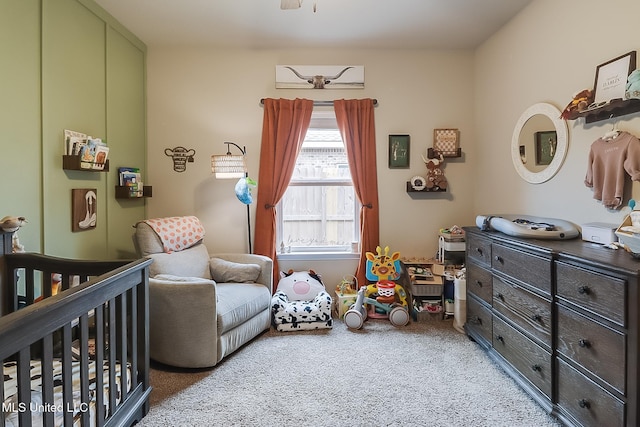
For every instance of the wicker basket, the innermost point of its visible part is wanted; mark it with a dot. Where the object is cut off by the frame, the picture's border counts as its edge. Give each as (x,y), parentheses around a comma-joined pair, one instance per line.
(426,290)
(630,240)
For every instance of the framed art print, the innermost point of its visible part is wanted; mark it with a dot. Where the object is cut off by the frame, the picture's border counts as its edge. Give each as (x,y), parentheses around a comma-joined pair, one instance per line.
(611,78)
(546,143)
(446,142)
(399,151)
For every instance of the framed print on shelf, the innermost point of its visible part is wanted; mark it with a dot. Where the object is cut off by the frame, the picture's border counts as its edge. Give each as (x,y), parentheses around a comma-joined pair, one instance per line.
(611,79)
(546,143)
(399,151)
(447,142)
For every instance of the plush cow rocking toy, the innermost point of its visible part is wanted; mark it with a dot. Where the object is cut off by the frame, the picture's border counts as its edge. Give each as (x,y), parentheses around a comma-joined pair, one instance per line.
(301,302)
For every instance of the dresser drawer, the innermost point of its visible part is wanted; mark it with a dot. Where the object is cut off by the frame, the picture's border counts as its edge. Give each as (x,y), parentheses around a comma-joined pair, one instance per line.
(598,349)
(479,249)
(587,402)
(603,295)
(479,282)
(479,320)
(529,311)
(526,267)
(527,357)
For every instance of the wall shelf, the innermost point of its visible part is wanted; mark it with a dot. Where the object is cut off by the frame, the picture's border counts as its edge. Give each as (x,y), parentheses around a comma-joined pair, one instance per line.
(410,189)
(123,192)
(73,162)
(615,108)
(433,153)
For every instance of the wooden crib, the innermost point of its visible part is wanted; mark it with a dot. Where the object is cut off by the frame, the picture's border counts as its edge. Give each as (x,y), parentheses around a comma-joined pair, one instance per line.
(80,357)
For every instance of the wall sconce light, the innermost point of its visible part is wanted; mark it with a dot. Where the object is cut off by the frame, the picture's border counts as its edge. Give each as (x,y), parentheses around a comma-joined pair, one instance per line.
(229,166)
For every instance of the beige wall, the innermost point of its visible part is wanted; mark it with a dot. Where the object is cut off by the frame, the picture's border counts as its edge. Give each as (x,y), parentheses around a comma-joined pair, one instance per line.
(547,53)
(199,98)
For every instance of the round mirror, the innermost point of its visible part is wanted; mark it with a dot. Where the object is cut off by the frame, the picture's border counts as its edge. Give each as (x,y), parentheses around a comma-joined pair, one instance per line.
(539,143)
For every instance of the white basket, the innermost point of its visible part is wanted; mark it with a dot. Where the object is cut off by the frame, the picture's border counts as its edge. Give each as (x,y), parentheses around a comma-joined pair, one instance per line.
(630,240)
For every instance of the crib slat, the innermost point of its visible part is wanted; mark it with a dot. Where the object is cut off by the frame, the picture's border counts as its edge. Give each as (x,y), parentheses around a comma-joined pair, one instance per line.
(24,386)
(84,369)
(99,348)
(112,356)
(133,338)
(122,335)
(30,285)
(67,374)
(47,378)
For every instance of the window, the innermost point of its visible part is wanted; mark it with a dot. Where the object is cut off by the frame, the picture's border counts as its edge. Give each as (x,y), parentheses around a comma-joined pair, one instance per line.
(319,210)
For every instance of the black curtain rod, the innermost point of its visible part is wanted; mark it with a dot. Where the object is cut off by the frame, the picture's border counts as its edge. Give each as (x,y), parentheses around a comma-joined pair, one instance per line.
(325,103)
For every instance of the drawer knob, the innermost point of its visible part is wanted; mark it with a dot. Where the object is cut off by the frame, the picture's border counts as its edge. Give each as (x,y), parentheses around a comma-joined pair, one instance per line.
(499,338)
(479,283)
(479,250)
(584,343)
(476,320)
(536,318)
(499,259)
(584,403)
(537,368)
(500,296)
(584,290)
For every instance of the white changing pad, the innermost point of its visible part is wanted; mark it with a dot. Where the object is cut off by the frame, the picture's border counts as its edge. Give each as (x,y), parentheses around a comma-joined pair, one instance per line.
(528,226)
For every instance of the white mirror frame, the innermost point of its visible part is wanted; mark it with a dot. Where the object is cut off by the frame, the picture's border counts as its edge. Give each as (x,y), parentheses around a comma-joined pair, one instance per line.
(561,149)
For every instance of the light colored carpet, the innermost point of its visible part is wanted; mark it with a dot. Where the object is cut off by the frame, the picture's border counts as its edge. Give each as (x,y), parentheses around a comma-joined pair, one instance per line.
(422,374)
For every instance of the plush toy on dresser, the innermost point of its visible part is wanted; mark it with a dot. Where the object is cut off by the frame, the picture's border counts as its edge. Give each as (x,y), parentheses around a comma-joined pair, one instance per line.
(301,302)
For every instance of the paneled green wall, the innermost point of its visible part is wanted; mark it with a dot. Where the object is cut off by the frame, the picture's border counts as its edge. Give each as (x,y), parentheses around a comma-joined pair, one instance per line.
(20,125)
(88,75)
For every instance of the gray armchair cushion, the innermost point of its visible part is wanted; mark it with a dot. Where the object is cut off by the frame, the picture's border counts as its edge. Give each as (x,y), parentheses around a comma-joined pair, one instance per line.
(192,262)
(223,271)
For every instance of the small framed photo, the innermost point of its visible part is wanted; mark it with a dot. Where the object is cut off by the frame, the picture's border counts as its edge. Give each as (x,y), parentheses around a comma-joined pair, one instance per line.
(446,142)
(611,78)
(546,143)
(399,151)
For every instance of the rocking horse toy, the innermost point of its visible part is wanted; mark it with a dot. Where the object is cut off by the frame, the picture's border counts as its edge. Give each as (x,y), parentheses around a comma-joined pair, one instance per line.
(384,299)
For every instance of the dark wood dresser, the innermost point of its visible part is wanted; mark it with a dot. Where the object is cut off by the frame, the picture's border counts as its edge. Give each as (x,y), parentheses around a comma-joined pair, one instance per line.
(561,318)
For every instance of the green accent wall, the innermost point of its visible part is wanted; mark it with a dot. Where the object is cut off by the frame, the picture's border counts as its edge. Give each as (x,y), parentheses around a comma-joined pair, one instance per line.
(71,66)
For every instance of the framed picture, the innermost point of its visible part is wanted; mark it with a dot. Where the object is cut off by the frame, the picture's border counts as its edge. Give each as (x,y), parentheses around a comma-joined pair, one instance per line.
(546,143)
(83,209)
(399,150)
(446,142)
(611,79)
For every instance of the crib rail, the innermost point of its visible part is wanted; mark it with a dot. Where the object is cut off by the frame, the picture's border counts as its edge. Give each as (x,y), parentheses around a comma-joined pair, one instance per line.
(109,308)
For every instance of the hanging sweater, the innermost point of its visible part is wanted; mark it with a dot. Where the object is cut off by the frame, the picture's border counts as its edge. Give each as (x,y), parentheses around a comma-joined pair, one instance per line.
(608,161)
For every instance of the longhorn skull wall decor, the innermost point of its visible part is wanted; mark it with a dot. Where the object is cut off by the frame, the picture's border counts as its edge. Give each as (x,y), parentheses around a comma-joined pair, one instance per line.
(319,76)
(181,156)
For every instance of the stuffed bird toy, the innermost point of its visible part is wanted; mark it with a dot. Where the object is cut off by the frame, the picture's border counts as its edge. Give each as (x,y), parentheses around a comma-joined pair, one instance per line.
(243,190)
(12,223)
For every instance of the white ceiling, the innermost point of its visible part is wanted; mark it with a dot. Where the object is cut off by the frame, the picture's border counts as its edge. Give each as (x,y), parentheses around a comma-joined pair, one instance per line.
(439,24)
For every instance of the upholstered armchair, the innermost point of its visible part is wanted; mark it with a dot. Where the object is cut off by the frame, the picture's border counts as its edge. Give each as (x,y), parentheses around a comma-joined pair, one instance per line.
(202,307)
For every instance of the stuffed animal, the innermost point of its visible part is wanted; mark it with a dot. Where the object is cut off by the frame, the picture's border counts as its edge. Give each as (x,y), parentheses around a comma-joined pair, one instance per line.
(12,223)
(579,103)
(435,175)
(633,85)
(300,285)
(243,190)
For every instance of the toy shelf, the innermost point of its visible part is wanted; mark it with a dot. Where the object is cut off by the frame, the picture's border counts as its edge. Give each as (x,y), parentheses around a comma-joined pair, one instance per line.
(615,108)
(410,189)
(124,192)
(73,162)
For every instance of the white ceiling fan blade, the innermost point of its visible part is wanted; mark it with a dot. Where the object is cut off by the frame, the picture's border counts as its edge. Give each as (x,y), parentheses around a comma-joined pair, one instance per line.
(290,4)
